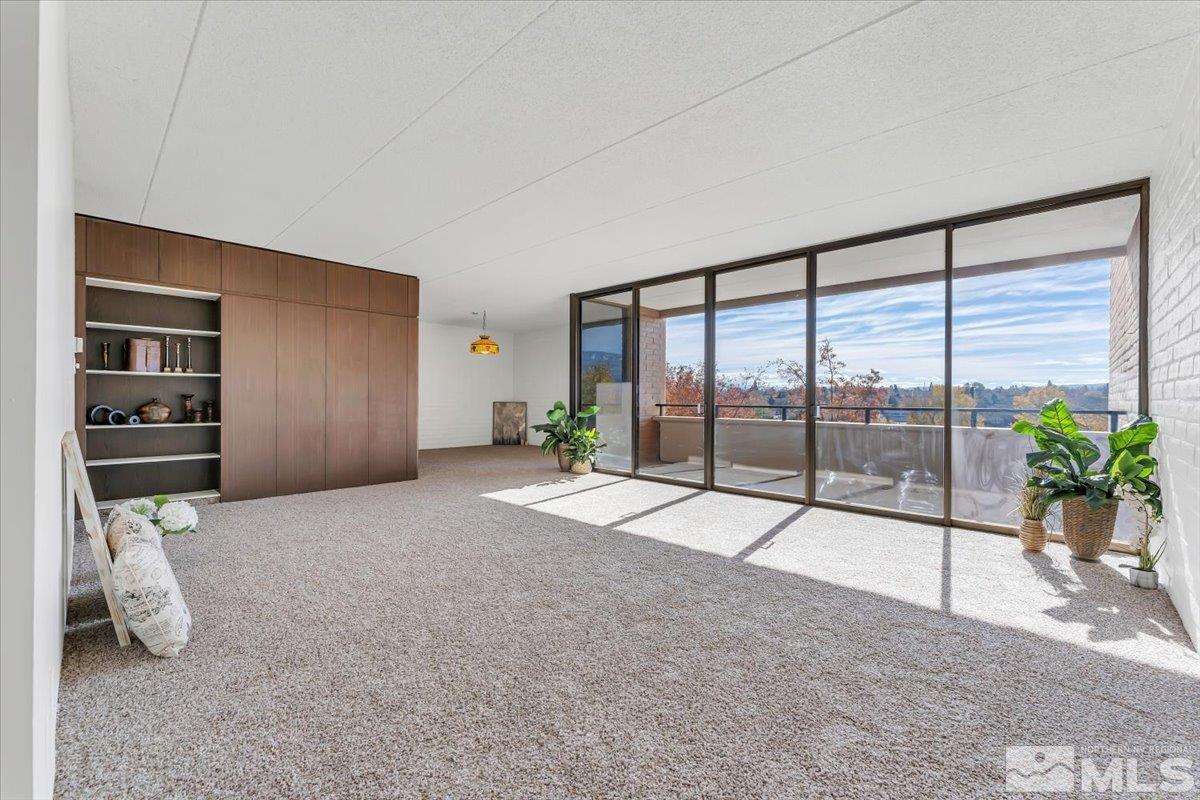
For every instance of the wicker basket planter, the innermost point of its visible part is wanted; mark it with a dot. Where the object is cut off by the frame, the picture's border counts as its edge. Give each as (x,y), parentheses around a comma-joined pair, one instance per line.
(564,463)
(1033,535)
(581,467)
(1088,531)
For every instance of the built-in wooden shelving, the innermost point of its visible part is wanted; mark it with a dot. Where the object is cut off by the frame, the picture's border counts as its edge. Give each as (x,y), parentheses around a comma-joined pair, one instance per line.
(184,464)
(204,494)
(146,288)
(121,326)
(116,462)
(146,426)
(128,373)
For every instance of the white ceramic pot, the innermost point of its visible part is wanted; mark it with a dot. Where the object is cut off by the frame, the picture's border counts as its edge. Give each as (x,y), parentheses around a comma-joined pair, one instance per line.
(1143,578)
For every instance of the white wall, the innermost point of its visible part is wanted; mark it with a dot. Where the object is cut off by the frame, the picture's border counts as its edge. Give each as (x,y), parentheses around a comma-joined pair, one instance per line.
(542,372)
(456,389)
(1175,345)
(36,384)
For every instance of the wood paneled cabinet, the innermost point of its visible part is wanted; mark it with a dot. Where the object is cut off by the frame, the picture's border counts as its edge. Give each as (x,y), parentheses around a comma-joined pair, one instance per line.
(348,287)
(249,394)
(121,251)
(300,398)
(189,261)
(387,401)
(317,360)
(301,279)
(248,270)
(347,431)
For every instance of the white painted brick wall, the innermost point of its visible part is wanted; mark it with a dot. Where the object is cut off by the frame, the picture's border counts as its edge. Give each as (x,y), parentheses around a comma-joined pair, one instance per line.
(542,372)
(456,389)
(1175,345)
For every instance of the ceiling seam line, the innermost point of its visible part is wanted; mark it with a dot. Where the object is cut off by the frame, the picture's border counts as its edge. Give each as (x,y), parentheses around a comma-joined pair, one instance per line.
(827,151)
(470,73)
(742,84)
(171,114)
(774,220)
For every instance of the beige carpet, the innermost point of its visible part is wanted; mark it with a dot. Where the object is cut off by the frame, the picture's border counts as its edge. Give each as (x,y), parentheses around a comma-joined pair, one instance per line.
(497,629)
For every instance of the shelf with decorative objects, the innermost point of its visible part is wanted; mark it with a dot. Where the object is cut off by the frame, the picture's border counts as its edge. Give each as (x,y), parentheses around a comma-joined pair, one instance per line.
(116,462)
(162,427)
(129,373)
(121,326)
(155,335)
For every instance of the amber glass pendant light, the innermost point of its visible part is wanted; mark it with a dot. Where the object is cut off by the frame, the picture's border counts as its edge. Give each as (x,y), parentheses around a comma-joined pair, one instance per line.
(484,346)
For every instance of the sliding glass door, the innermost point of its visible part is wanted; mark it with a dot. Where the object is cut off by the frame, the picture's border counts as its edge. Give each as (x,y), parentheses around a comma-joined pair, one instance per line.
(759,432)
(880,374)
(606,373)
(1045,307)
(671,367)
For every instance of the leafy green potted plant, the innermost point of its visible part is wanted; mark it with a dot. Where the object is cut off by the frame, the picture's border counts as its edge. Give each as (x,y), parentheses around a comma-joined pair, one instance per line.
(561,427)
(1064,465)
(582,450)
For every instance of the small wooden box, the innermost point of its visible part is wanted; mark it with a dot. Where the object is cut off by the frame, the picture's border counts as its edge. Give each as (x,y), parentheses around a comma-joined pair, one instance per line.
(143,355)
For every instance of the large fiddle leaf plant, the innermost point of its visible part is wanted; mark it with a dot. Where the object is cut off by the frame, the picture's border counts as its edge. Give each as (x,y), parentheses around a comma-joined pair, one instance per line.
(1065,461)
(563,426)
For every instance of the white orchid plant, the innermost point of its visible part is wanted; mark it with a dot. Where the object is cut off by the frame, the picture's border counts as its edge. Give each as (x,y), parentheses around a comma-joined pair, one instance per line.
(169,516)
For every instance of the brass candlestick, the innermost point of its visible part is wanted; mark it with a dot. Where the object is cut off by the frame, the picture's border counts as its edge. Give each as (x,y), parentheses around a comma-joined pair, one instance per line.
(178,347)
(104,349)
(189,355)
(167,356)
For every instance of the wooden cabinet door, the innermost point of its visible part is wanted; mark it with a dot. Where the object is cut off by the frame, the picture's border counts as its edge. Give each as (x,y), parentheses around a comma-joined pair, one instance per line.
(248,270)
(248,397)
(189,261)
(300,426)
(347,287)
(80,245)
(122,251)
(414,296)
(389,292)
(347,335)
(81,362)
(301,279)
(410,407)
(387,395)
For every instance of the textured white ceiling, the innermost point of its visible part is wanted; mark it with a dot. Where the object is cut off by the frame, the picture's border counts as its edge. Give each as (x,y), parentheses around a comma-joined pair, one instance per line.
(510,153)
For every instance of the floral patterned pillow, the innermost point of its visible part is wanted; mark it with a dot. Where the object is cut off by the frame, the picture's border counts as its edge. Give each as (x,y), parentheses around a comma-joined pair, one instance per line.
(123,522)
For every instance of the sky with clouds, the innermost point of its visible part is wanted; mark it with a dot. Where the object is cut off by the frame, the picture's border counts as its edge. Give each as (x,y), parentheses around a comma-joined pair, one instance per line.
(1023,327)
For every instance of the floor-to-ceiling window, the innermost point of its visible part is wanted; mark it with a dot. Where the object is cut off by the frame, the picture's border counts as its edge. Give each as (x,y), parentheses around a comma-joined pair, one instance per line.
(605,372)
(671,365)
(759,382)
(880,374)
(1045,306)
(872,376)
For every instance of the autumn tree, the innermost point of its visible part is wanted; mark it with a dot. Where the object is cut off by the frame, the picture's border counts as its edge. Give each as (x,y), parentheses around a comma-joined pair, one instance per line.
(596,373)
(684,388)
(937,397)
(1040,395)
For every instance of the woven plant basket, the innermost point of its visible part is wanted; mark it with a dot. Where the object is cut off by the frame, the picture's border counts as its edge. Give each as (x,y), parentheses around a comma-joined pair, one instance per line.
(1033,535)
(564,463)
(1088,531)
